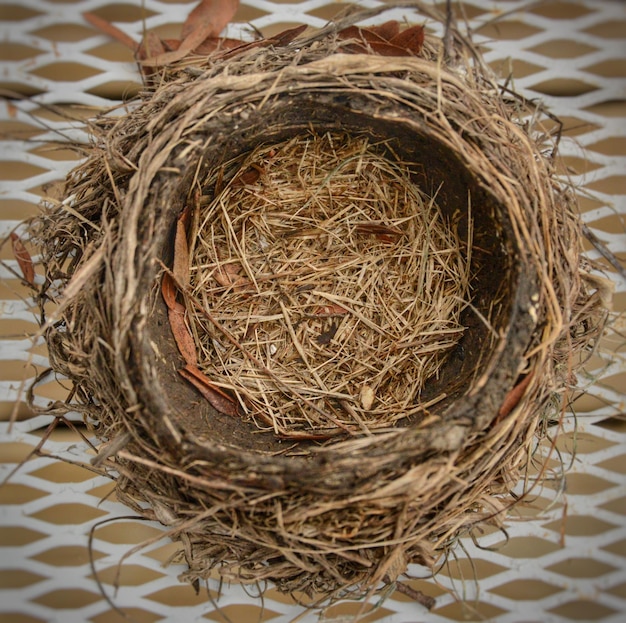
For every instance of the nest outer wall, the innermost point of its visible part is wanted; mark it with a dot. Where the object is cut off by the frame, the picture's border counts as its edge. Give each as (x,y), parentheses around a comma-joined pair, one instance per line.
(348,514)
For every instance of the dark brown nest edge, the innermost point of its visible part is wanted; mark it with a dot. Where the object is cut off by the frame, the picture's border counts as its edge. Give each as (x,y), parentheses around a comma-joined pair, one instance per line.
(342,511)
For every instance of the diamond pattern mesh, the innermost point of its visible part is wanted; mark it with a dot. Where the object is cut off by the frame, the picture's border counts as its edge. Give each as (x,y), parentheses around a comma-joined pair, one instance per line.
(563,557)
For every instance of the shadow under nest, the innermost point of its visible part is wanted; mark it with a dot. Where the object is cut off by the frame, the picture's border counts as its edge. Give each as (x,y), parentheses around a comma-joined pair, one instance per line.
(351,506)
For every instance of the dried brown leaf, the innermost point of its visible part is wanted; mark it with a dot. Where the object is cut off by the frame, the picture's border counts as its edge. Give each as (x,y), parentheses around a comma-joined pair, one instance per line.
(206,21)
(23,258)
(212,44)
(150,46)
(287,36)
(113,31)
(249,176)
(182,336)
(411,39)
(180,267)
(217,397)
(513,397)
(387,30)
(210,15)
(363,34)
(169,291)
(332,309)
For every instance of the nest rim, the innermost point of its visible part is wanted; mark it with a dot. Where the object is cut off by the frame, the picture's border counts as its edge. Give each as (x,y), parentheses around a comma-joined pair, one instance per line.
(459,414)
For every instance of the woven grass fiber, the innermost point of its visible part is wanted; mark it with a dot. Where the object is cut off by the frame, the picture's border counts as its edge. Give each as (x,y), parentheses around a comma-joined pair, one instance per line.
(318,305)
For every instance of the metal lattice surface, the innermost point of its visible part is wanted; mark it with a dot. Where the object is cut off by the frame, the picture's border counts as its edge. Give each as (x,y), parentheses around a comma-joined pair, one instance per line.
(565,558)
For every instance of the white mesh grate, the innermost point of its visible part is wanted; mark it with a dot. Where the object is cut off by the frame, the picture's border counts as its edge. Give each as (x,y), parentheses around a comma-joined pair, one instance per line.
(566,556)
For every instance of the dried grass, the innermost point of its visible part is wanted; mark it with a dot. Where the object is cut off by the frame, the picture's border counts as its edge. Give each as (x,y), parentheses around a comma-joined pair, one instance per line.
(515,306)
(338,274)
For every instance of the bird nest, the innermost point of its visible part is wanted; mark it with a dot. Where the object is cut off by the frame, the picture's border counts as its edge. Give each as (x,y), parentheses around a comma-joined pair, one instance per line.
(317,304)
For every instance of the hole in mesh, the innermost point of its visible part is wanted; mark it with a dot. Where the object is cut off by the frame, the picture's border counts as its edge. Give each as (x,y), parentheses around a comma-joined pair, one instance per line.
(164,552)
(618,547)
(64,33)
(123,12)
(609,68)
(304,599)
(17,52)
(586,484)
(579,525)
(563,48)
(476,568)
(609,108)
(16,13)
(105,491)
(247,13)
(70,598)
(564,87)
(463,10)
(515,67)
(15,369)
(21,89)
(526,590)
(181,595)
(581,443)
(59,471)
(241,612)
(116,90)
(330,10)
(587,403)
(14,452)
(127,575)
(616,382)
(618,590)
(15,329)
(613,29)
(508,29)
(65,71)
(113,52)
(52,390)
(68,514)
(531,507)
(168,31)
(18,578)
(583,610)
(469,611)
(560,10)
(67,556)
(612,185)
(617,464)
(617,506)
(576,166)
(427,587)
(127,532)
(348,611)
(132,614)
(16,536)
(615,423)
(573,126)
(14,170)
(12,493)
(581,568)
(613,224)
(527,547)
(20,617)
(612,146)
(55,153)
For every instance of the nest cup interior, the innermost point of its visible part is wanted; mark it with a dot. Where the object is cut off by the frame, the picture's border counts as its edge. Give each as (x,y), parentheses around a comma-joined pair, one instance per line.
(476,373)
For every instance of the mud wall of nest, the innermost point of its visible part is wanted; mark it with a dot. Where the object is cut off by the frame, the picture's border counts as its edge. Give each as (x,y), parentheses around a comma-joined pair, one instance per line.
(308,510)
